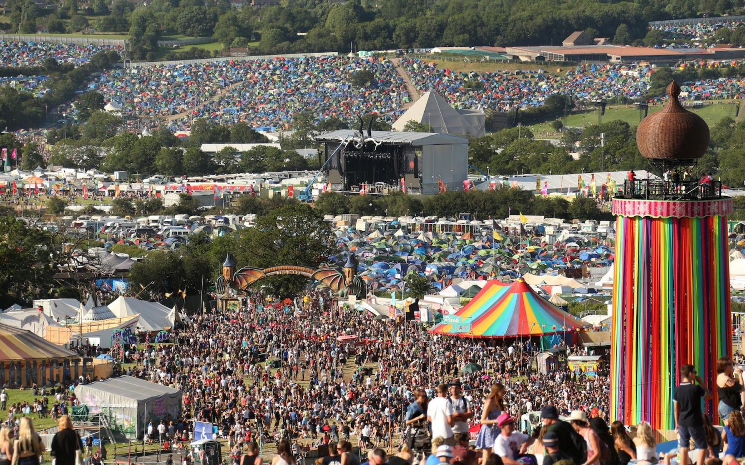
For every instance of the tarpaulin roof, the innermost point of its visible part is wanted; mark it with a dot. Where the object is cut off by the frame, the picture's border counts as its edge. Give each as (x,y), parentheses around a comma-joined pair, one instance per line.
(18,345)
(131,388)
(514,310)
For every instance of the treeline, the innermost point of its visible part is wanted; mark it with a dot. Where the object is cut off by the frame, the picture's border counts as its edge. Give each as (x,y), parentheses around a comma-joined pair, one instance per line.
(367,25)
(498,203)
(22,110)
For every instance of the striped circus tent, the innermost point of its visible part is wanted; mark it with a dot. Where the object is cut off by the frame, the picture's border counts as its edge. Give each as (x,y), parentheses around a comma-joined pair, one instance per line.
(26,358)
(509,311)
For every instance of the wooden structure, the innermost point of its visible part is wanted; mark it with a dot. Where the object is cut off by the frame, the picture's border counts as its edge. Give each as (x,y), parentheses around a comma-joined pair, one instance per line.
(27,359)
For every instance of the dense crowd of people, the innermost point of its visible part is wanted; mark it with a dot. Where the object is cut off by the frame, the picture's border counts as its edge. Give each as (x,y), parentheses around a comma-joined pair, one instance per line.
(359,390)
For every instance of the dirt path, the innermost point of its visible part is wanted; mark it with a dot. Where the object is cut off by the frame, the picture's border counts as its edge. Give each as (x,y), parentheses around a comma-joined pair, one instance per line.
(410,88)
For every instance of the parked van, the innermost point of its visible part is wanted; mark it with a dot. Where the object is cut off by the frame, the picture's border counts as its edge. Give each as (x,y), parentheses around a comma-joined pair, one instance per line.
(177,232)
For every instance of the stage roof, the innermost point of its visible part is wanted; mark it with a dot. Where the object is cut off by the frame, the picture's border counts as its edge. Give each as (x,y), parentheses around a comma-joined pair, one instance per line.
(395,138)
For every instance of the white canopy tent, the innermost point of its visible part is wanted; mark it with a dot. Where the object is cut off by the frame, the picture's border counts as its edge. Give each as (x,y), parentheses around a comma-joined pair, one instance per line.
(153,316)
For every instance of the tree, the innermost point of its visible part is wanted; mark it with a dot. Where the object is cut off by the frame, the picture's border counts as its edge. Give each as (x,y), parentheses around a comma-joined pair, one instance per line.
(416,126)
(89,103)
(160,272)
(56,205)
(169,161)
(363,78)
(122,207)
(417,285)
(28,261)
(226,160)
(242,133)
(100,126)
(196,162)
(77,23)
(332,203)
(291,235)
(100,7)
(31,158)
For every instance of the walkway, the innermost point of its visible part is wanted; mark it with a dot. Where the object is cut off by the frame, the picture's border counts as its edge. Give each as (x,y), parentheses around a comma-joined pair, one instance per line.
(410,88)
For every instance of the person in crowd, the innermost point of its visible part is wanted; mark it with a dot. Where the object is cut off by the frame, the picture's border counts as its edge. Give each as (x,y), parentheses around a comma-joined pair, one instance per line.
(734,432)
(334,458)
(554,453)
(6,445)
(444,453)
(624,445)
(347,456)
(581,425)
(416,421)
(571,442)
(404,457)
(462,453)
(65,443)
(284,454)
(646,445)
(713,438)
(510,444)
(608,453)
(28,448)
(253,457)
(493,407)
(461,408)
(688,415)
(730,388)
(440,415)
(433,459)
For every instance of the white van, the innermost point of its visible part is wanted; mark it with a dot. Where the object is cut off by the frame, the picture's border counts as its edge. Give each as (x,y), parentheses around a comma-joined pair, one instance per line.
(177,232)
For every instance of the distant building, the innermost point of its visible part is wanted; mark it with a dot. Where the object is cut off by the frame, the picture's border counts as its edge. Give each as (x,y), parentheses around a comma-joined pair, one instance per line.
(433,110)
(378,161)
(577,38)
(260,3)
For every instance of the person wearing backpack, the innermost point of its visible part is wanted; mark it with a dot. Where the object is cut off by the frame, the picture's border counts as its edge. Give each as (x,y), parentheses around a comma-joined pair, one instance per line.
(461,410)
(571,442)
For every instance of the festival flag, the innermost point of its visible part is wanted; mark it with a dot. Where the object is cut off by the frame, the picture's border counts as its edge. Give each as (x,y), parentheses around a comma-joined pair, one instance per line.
(36,189)
(5,154)
(495,233)
(85,192)
(15,188)
(403,185)
(523,218)
(291,192)
(15,154)
(117,191)
(363,189)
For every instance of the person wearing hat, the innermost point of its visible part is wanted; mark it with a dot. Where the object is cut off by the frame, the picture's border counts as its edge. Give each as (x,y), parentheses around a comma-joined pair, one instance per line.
(581,425)
(553,451)
(444,453)
(461,409)
(571,442)
(510,444)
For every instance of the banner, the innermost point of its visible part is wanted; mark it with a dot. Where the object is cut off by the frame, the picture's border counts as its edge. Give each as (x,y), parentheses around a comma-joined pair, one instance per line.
(85,192)
(15,154)
(203,430)
(5,154)
(291,192)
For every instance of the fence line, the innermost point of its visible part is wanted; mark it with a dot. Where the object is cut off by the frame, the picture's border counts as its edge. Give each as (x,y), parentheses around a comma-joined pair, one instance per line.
(146,64)
(92,40)
(677,22)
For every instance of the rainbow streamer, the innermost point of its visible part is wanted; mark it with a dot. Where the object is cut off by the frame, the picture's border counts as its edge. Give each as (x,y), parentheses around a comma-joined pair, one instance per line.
(671,306)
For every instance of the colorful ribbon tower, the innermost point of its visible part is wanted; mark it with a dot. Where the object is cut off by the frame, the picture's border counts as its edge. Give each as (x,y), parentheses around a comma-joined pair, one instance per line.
(671,303)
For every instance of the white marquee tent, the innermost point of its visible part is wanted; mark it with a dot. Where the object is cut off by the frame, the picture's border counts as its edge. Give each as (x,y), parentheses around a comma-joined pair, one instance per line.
(153,316)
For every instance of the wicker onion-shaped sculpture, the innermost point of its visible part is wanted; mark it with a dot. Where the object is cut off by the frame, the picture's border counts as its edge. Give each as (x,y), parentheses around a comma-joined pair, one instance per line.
(674,135)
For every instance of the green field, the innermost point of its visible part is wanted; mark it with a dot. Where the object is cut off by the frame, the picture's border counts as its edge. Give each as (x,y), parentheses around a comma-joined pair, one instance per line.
(711,112)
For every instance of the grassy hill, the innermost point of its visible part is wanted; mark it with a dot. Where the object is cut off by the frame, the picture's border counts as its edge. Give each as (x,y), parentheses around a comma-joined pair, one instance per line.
(712,112)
